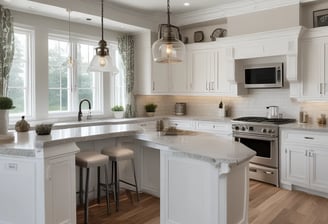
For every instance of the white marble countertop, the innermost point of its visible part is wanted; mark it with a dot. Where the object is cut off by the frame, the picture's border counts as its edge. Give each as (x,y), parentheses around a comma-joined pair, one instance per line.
(305,127)
(213,148)
(203,146)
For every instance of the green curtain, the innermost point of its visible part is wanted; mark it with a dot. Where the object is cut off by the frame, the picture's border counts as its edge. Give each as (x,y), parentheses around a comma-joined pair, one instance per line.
(7,48)
(126,50)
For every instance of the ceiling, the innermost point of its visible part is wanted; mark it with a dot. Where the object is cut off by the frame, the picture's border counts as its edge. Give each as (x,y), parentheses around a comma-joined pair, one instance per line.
(177,6)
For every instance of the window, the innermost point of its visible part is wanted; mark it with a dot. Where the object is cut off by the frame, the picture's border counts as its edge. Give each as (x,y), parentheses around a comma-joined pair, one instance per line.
(68,85)
(19,82)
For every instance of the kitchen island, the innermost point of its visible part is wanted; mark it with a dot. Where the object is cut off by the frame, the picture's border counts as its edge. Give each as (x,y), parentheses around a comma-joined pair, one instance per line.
(204,178)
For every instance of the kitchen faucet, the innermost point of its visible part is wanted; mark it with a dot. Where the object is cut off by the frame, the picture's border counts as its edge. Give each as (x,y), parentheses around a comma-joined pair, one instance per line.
(79,116)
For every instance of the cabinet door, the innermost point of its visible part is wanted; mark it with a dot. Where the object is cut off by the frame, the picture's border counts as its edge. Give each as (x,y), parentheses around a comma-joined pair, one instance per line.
(150,171)
(318,169)
(324,81)
(160,78)
(311,67)
(297,165)
(202,65)
(18,192)
(60,190)
(178,77)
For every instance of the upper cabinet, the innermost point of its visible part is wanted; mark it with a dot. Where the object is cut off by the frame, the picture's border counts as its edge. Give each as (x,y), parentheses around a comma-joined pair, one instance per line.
(169,78)
(314,64)
(206,76)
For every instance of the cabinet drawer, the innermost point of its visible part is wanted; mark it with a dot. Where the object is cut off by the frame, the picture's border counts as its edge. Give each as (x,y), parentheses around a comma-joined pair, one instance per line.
(182,124)
(305,137)
(214,127)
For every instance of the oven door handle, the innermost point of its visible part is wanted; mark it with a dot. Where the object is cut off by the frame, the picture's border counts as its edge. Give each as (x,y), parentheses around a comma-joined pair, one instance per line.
(266,138)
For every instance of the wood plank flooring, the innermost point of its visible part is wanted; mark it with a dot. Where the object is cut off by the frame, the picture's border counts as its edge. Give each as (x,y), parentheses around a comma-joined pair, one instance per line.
(267,204)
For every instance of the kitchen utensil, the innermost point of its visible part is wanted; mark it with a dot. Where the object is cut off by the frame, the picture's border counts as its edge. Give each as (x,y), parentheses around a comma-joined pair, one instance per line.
(272,111)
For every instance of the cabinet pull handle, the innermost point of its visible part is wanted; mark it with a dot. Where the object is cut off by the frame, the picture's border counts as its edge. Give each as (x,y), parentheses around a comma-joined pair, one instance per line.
(268,172)
(310,154)
(320,88)
(310,138)
(153,85)
(306,153)
(207,85)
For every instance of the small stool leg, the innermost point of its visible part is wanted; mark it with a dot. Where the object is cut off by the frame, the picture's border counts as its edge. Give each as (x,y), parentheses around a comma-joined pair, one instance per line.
(98,184)
(117,186)
(112,181)
(86,205)
(135,179)
(107,190)
(81,186)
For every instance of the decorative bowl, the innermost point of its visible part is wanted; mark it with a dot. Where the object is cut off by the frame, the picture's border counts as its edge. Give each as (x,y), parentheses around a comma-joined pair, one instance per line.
(43,129)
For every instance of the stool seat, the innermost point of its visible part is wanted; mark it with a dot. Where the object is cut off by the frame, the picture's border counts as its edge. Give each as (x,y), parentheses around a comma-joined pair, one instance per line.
(90,159)
(118,154)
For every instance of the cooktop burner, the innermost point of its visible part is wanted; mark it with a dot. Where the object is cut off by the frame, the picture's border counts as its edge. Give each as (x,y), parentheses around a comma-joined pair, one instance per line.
(266,120)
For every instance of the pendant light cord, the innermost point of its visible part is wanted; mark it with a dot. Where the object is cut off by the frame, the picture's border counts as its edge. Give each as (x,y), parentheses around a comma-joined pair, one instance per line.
(168,13)
(102,19)
(69,25)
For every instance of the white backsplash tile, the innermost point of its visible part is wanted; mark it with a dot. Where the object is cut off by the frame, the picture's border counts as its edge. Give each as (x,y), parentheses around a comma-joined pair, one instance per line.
(253,104)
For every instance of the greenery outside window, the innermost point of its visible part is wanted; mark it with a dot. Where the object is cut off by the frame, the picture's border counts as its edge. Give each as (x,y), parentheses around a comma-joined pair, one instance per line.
(70,84)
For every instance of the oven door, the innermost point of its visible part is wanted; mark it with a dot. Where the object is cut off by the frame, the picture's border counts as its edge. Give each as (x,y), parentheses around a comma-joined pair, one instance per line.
(266,148)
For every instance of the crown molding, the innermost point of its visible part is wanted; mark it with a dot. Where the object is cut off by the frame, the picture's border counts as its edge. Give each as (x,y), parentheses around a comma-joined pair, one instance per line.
(230,9)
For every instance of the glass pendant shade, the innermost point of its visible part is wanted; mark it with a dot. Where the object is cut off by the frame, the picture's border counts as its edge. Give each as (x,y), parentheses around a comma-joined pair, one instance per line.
(102,61)
(168,48)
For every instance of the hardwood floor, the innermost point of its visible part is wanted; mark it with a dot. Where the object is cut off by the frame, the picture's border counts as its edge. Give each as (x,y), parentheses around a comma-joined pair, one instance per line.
(267,204)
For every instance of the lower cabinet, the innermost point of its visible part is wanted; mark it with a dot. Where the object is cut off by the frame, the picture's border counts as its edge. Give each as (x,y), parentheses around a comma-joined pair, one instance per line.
(150,171)
(304,164)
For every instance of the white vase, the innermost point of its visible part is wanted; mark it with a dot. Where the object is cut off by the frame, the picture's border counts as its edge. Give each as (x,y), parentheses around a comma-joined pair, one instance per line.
(118,114)
(4,122)
(150,114)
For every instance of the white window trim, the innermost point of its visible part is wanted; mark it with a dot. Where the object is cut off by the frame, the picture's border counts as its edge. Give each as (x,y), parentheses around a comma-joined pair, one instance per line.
(30,78)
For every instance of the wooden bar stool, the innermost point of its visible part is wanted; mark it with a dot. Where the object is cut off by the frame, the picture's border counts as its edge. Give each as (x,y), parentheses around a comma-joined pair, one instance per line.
(88,160)
(115,155)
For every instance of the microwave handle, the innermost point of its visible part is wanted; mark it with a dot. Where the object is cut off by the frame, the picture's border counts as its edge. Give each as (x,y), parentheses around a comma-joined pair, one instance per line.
(279,75)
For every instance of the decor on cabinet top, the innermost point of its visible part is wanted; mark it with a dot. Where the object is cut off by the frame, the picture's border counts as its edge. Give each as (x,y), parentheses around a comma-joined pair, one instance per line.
(217,33)
(320,18)
(198,36)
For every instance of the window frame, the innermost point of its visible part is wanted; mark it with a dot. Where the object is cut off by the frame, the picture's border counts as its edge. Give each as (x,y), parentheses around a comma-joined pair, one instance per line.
(73,104)
(29,83)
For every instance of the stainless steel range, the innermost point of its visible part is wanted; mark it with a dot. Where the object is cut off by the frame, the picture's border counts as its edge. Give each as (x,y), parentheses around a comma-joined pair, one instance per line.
(261,135)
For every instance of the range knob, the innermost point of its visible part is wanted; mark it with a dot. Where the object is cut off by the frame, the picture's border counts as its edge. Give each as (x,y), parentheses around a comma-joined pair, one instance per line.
(236,128)
(263,130)
(251,128)
(271,131)
(243,128)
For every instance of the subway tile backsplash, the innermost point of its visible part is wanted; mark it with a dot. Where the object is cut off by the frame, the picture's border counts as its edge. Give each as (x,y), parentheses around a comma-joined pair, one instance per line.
(253,104)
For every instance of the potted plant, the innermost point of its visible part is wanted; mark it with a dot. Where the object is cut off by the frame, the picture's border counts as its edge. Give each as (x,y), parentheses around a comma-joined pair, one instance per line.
(150,109)
(5,105)
(118,111)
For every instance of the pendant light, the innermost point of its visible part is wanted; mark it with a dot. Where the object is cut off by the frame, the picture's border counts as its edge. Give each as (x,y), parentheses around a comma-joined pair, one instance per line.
(168,49)
(102,61)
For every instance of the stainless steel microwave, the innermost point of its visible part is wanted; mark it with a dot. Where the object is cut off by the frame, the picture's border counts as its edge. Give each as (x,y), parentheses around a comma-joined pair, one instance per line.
(264,76)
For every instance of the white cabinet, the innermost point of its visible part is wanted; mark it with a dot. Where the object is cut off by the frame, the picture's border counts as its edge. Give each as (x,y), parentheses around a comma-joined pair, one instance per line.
(42,189)
(150,170)
(18,191)
(169,78)
(221,128)
(304,159)
(314,66)
(160,78)
(182,124)
(203,71)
